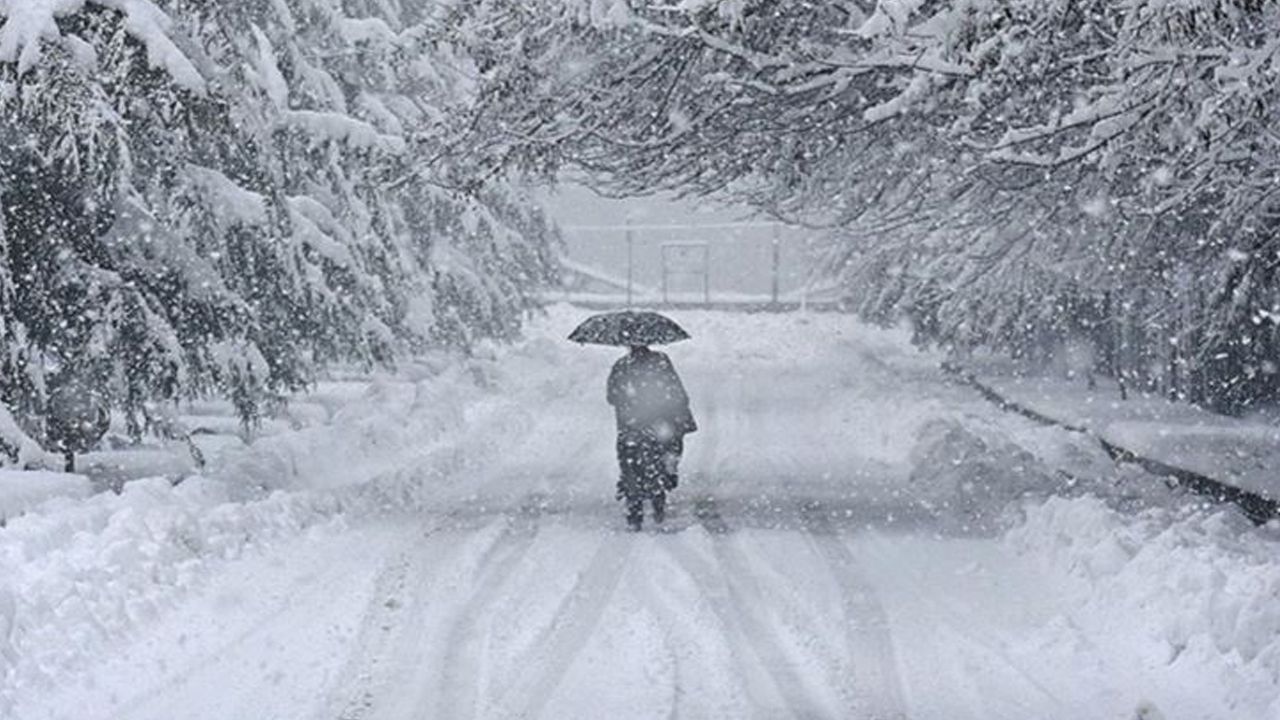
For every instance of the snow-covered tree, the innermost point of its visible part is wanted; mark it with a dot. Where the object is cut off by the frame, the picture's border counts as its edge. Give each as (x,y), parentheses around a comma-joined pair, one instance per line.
(219,198)
(1013,174)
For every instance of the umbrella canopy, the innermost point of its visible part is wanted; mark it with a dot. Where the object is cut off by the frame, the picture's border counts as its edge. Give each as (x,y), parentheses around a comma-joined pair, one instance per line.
(629,327)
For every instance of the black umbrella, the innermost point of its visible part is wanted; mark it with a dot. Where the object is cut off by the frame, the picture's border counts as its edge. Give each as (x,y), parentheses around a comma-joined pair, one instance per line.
(629,327)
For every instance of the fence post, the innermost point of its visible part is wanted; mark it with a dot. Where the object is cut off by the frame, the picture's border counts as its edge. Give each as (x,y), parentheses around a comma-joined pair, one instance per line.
(777,261)
(630,259)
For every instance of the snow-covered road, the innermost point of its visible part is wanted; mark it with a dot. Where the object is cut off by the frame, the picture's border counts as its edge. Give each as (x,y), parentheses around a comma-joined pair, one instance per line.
(825,558)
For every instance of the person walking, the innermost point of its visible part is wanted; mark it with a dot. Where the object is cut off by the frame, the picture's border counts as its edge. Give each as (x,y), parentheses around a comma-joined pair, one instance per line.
(653,416)
(649,402)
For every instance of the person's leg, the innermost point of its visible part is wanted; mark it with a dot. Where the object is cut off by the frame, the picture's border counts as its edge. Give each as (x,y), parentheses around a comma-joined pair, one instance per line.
(641,460)
(630,478)
(635,511)
(671,462)
(659,506)
(654,475)
(626,464)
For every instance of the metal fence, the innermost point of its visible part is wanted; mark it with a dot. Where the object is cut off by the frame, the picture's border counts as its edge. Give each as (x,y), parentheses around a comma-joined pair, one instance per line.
(718,264)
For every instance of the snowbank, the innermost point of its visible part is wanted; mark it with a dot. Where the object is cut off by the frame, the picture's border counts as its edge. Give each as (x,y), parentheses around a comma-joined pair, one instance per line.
(111,469)
(1194,594)
(969,480)
(78,575)
(1233,451)
(22,490)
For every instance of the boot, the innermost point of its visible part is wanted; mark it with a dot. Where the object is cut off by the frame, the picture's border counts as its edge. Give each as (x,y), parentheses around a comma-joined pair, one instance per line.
(659,507)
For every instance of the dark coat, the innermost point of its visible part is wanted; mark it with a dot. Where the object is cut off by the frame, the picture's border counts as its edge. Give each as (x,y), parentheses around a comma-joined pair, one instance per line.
(647,396)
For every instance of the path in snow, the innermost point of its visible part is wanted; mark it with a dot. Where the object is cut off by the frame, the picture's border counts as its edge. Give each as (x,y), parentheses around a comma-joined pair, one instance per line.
(796,577)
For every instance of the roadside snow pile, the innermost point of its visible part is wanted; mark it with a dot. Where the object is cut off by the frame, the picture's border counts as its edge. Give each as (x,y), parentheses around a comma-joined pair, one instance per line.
(22,490)
(77,575)
(1194,594)
(970,480)
(363,439)
(422,418)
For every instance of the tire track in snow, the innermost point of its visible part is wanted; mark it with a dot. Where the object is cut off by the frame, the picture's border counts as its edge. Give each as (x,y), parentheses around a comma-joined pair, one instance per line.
(960,628)
(878,693)
(273,624)
(736,599)
(728,602)
(459,666)
(389,657)
(572,626)
(373,641)
(874,690)
(649,593)
(755,678)
(282,609)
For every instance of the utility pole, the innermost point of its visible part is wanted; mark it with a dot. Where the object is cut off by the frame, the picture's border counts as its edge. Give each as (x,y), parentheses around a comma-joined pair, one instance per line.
(630,259)
(666,273)
(706,277)
(777,260)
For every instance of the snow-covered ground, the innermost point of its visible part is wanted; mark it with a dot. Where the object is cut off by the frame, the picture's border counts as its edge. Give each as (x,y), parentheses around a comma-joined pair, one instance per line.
(854,536)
